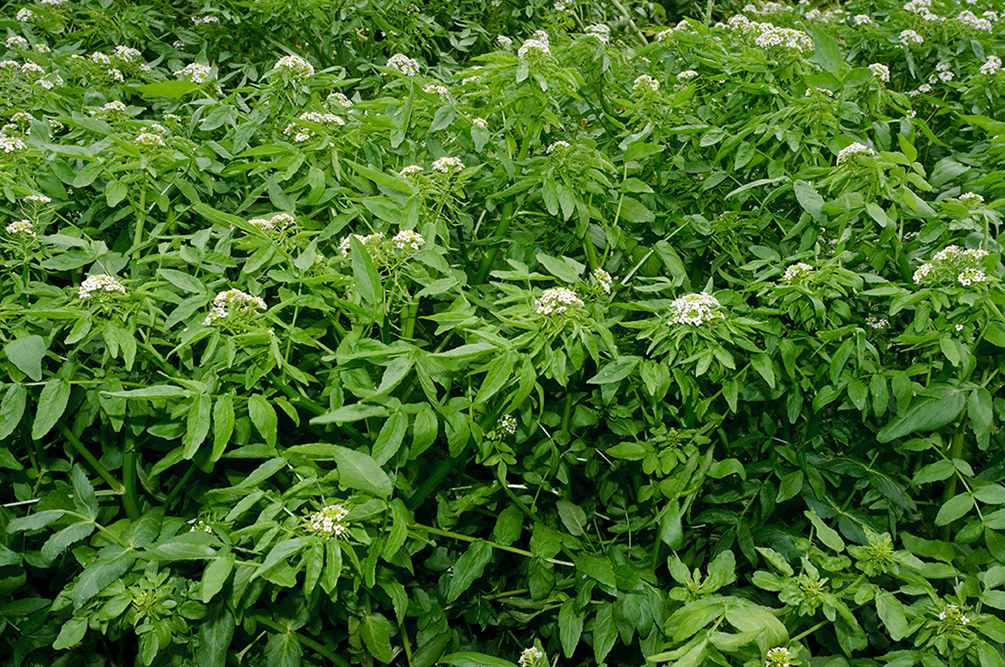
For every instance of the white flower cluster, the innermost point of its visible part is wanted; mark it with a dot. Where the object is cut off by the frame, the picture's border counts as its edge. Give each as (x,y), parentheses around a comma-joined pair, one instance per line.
(17,43)
(602,279)
(508,423)
(112,109)
(560,146)
(909,37)
(686,75)
(557,300)
(99,283)
(504,42)
(862,19)
(480,122)
(21,228)
(532,657)
(767,8)
(150,140)
(534,48)
(695,309)
(11,144)
(991,66)
(922,89)
(778,657)
(345,245)
(280,222)
(295,67)
(203,20)
(767,35)
(953,614)
(338,98)
(301,133)
(195,72)
(233,302)
(53,3)
(26,15)
(645,84)
(328,522)
(600,31)
(38,200)
(408,239)
(971,199)
(849,152)
(967,20)
(402,64)
(797,272)
(953,264)
(411,171)
(880,71)
(448,165)
(877,322)
(436,89)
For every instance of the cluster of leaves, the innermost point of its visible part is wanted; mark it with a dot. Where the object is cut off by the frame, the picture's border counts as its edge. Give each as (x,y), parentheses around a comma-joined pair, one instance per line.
(600,343)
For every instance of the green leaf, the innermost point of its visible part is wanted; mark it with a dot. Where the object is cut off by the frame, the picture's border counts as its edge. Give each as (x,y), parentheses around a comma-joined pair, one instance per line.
(263,472)
(954,508)
(197,424)
(570,627)
(472,659)
(359,471)
(351,413)
(981,414)
(390,438)
(992,494)
(27,354)
(215,635)
(376,633)
(596,567)
(827,52)
(223,425)
(216,575)
(367,280)
(935,472)
(809,199)
(790,486)
(115,192)
(12,409)
(509,526)
(182,281)
(97,576)
(891,612)
(51,405)
(58,542)
(630,451)
(615,371)
(926,414)
(264,417)
(605,632)
(174,89)
(152,393)
(71,633)
(469,567)
(283,650)
(83,493)
(565,269)
(573,517)
(827,535)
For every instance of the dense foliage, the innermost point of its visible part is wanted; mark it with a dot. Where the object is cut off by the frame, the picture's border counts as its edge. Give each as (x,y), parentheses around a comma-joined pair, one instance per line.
(351,334)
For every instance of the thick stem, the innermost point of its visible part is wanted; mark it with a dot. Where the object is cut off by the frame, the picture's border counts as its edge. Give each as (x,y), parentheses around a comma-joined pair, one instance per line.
(89,457)
(490,256)
(129,498)
(956,450)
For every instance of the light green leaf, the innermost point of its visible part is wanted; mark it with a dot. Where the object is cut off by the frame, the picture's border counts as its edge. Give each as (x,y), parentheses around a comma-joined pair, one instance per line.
(27,354)
(376,633)
(51,405)
(264,417)
(925,414)
(359,471)
(367,280)
(954,508)
(469,567)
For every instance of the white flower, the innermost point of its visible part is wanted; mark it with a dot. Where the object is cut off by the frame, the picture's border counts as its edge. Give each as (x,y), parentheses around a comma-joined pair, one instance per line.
(403,64)
(26,15)
(42,48)
(17,43)
(21,228)
(436,89)
(448,165)
(116,75)
(969,20)
(150,139)
(603,279)
(127,54)
(233,302)
(410,171)
(278,222)
(862,19)
(695,309)
(971,199)
(877,322)
(556,300)
(345,245)
(508,423)
(600,31)
(32,69)
(37,199)
(908,37)
(53,3)
(880,71)
(504,42)
(533,48)
(922,272)
(295,67)
(408,239)
(301,133)
(195,72)
(796,272)
(10,144)
(101,282)
(203,20)
(531,657)
(645,83)
(991,65)
(686,75)
(971,276)
(328,522)
(778,657)
(560,146)
(338,98)
(851,151)
(918,6)
(958,327)
(480,122)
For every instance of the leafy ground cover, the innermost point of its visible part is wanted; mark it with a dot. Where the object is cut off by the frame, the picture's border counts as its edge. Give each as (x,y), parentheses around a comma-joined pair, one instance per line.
(484,334)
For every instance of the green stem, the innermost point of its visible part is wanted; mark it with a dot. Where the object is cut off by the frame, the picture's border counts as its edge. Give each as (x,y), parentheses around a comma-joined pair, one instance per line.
(591,250)
(494,545)
(490,256)
(89,457)
(141,214)
(408,316)
(129,498)
(306,641)
(567,412)
(956,450)
(180,485)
